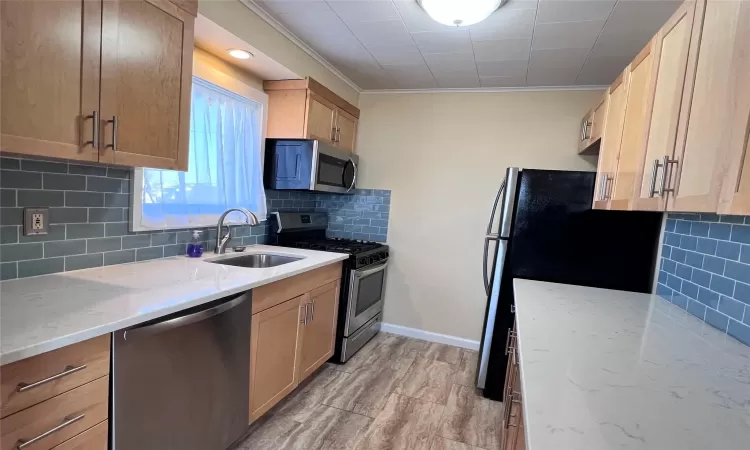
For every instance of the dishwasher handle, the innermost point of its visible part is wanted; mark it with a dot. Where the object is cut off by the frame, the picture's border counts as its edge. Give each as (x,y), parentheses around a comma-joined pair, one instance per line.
(181,321)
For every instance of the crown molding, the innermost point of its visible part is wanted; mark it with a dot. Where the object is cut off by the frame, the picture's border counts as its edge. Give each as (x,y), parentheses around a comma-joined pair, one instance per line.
(483,90)
(252,6)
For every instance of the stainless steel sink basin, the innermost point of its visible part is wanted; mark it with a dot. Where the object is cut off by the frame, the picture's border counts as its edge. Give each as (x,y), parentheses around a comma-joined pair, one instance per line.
(256,260)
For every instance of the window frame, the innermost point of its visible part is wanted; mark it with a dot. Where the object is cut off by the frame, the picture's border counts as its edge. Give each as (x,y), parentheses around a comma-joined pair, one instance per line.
(216,77)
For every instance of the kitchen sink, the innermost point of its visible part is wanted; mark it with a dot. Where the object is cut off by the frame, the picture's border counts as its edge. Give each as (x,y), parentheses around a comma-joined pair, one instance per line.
(256,260)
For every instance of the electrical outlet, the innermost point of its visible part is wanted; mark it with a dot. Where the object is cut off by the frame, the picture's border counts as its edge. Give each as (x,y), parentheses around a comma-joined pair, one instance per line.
(35,221)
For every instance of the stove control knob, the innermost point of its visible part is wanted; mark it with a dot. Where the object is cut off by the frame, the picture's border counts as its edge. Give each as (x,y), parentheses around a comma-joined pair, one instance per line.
(375,257)
(362,261)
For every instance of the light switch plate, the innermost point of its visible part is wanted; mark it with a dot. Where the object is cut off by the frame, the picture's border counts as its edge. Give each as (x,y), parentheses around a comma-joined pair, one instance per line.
(35,221)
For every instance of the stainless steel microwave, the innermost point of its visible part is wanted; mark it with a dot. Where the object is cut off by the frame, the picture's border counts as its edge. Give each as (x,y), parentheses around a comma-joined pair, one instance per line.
(309,165)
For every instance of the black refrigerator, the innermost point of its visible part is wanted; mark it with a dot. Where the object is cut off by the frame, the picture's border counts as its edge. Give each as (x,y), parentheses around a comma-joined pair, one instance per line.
(547,231)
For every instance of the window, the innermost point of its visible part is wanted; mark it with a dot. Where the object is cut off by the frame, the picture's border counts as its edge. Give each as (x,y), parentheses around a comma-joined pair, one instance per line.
(227,130)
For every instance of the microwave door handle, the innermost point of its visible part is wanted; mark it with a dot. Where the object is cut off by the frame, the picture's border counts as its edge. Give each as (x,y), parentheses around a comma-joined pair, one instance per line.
(354,179)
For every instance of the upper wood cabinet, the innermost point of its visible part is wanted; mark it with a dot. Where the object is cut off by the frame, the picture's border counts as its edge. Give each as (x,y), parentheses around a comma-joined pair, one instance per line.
(305,109)
(592,127)
(663,108)
(632,144)
(610,144)
(50,85)
(686,118)
(716,80)
(113,87)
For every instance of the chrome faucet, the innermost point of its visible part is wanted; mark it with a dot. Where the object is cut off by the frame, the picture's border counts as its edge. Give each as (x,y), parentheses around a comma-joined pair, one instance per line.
(221,242)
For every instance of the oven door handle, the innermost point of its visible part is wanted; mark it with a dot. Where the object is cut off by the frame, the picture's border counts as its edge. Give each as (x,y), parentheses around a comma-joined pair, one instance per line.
(368,272)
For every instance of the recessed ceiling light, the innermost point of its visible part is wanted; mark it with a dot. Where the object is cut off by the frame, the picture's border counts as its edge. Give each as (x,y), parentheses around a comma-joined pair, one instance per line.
(239,54)
(460,13)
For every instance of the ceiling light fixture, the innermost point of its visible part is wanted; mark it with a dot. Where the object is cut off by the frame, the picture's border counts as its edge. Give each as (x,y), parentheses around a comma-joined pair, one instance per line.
(239,54)
(460,13)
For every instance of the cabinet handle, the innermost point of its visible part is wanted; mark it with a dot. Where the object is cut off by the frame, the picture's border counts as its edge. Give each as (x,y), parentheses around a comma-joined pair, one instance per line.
(338,134)
(507,341)
(95,130)
(312,311)
(22,443)
(664,175)
(303,320)
(652,191)
(333,134)
(586,128)
(115,129)
(583,130)
(23,387)
(603,187)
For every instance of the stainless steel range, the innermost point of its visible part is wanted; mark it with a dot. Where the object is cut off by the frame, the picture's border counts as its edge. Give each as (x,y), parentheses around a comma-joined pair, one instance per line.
(362,281)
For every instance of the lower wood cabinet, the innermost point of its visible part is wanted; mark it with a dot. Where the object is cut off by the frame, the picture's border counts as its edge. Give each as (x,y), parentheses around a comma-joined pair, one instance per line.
(293,338)
(95,438)
(58,419)
(319,329)
(513,420)
(274,354)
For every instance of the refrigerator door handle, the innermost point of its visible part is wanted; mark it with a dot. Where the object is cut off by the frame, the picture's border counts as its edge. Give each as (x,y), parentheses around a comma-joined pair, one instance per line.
(509,202)
(490,237)
(484,357)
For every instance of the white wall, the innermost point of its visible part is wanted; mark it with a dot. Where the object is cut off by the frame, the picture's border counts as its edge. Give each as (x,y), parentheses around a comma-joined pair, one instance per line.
(236,18)
(443,156)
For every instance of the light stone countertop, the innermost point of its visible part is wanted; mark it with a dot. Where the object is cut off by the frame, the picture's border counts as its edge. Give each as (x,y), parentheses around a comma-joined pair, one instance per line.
(47,312)
(604,369)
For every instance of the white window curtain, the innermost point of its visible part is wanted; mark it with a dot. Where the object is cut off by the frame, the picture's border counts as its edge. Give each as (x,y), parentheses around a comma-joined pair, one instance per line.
(225,166)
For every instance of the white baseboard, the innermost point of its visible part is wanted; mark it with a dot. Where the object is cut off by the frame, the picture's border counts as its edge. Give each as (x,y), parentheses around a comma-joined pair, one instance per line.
(430,336)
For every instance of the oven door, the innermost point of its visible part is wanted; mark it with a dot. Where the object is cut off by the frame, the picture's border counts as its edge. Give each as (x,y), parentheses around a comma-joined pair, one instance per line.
(365,296)
(335,170)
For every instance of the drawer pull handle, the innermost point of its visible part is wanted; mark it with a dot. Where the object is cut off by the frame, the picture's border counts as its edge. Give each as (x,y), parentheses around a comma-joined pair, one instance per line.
(22,387)
(22,443)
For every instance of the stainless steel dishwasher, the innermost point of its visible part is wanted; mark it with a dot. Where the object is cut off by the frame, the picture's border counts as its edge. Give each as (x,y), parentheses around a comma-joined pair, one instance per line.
(181,382)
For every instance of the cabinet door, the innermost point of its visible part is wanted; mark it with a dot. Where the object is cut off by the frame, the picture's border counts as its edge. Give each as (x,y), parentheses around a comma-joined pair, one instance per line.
(319,332)
(662,112)
(600,119)
(346,129)
(610,145)
(735,195)
(147,54)
(274,354)
(633,144)
(321,118)
(50,84)
(95,438)
(714,83)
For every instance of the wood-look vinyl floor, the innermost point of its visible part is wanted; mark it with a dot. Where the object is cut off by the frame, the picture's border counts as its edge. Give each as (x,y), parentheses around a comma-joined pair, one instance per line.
(397,393)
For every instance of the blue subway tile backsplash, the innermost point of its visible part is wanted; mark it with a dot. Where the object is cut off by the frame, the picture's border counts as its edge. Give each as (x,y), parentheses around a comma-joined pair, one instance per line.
(705,269)
(89,212)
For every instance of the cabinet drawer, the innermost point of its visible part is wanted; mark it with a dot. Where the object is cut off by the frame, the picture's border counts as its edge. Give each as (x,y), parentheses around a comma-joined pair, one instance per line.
(22,383)
(270,295)
(58,419)
(95,438)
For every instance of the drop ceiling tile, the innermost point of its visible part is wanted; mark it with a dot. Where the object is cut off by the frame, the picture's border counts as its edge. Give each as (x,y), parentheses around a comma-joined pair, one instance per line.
(395,54)
(558,58)
(448,58)
(631,18)
(457,80)
(502,68)
(559,76)
(573,10)
(386,32)
(364,10)
(566,34)
(502,50)
(519,4)
(314,23)
(502,81)
(504,24)
(601,71)
(408,71)
(454,41)
(293,6)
